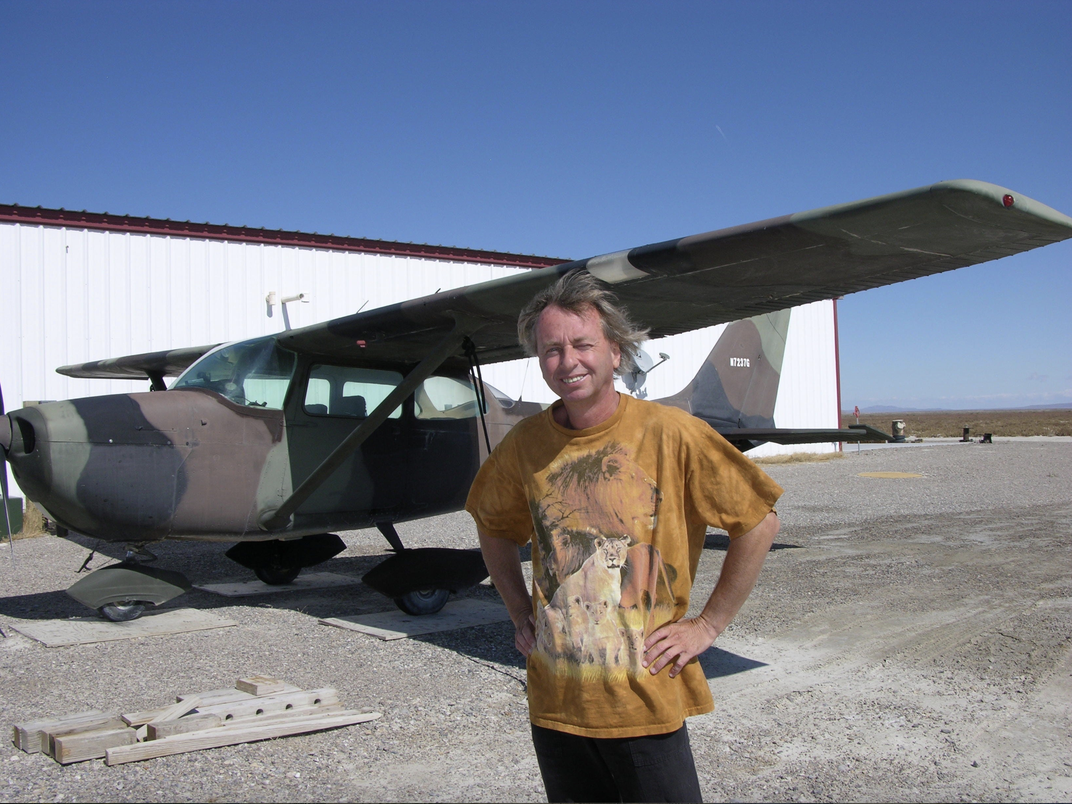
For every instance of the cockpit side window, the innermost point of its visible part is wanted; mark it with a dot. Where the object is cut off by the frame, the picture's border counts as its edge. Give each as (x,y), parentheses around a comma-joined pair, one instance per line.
(349,391)
(445,398)
(253,373)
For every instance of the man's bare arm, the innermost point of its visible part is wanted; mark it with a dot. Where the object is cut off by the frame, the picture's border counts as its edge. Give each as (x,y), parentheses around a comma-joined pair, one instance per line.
(503,561)
(680,642)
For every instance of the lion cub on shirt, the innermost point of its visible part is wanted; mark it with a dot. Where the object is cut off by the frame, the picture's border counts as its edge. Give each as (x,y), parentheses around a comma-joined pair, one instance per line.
(600,576)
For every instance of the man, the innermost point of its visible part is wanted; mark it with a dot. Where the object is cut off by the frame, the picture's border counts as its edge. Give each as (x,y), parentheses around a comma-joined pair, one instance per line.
(616,495)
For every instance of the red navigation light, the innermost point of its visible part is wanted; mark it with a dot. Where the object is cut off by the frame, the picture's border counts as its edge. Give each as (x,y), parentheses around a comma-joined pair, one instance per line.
(361,344)
(1008,201)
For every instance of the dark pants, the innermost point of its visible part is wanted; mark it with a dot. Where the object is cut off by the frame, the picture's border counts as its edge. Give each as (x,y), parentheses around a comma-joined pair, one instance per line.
(658,767)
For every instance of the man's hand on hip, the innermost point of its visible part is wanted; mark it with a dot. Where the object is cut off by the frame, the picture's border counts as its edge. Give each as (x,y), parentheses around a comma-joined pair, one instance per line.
(525,635)
(682,641)
(679,643)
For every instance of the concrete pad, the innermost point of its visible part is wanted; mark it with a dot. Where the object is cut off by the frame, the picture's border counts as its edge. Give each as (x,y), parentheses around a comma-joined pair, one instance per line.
(304,582)
(87,630)
(389,625)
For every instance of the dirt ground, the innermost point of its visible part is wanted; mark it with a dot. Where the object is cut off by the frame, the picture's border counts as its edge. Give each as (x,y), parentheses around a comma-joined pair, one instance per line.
(910,640)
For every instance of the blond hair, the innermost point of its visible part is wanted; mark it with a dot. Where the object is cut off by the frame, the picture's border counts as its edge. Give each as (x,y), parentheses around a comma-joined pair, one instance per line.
(577,292)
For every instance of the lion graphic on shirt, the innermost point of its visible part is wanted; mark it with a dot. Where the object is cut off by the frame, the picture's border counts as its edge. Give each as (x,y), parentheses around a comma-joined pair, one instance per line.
(598,511)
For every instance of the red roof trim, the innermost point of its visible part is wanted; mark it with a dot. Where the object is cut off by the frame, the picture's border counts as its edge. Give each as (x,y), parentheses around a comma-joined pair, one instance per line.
(39,216)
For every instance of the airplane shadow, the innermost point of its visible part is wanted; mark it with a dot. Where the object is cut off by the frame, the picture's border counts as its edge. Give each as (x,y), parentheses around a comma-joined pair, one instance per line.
(490,645)
(721,541)
(204,563)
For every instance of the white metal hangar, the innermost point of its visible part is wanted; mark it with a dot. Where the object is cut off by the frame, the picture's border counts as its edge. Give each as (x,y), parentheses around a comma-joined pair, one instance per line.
(82,286)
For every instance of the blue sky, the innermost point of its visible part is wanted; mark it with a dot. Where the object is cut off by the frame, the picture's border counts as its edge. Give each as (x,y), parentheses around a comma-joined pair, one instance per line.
(574,129)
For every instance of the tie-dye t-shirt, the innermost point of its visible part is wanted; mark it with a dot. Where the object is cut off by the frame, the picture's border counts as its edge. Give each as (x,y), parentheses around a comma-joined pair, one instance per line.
(617,516)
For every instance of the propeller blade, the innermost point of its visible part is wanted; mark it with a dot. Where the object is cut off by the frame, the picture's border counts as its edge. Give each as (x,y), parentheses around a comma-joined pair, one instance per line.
(5,442)
(5,445)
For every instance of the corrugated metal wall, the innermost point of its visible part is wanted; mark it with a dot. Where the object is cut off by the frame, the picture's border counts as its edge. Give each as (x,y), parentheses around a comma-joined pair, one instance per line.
(73,295)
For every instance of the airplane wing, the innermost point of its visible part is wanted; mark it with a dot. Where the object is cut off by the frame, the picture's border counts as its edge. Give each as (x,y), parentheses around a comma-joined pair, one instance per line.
(697,281)
(721,276)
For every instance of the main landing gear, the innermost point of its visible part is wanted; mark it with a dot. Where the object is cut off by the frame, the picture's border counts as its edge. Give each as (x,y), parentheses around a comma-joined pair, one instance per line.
(277,562)
(420,581)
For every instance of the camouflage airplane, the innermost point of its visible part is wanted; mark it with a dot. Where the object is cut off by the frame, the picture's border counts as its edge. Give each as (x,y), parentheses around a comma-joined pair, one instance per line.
(381,417)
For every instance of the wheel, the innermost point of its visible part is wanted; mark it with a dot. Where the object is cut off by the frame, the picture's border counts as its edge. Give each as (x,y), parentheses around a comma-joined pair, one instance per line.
(424,601)
(122,611)
(277,576)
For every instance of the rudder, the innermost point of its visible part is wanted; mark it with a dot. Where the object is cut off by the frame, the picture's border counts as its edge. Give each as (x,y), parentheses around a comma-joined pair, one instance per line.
(737,385)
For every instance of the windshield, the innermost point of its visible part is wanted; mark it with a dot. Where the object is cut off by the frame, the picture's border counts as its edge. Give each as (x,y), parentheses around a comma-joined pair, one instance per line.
(255,373)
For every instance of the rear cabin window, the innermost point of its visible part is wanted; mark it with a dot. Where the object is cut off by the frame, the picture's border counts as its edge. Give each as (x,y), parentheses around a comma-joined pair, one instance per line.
(348,391)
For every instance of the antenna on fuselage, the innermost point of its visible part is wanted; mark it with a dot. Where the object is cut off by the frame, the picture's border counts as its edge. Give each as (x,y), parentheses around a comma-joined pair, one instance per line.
(634,380)
(270,301)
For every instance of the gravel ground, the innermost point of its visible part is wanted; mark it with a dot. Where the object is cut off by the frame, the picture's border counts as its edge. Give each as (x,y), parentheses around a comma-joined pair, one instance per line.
(909,640)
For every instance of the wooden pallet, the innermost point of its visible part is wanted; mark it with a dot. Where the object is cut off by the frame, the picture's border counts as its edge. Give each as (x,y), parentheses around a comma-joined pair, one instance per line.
(257,708)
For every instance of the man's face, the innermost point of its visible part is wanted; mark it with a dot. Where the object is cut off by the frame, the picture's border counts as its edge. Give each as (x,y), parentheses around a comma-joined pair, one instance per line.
(577,360)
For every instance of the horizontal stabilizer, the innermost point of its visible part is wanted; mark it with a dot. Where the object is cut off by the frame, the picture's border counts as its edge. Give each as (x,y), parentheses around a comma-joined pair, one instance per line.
(745,438)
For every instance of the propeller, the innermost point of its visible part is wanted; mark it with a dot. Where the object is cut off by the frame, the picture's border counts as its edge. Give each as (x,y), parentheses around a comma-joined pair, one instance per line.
(5,445)
(5,438)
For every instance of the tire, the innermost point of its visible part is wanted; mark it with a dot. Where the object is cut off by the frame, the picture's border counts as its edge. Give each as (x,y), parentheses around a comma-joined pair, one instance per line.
(277,576)
(122,611)
(423,601)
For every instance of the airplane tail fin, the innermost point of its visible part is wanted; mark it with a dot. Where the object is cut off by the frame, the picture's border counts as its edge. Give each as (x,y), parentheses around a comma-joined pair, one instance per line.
(737,385)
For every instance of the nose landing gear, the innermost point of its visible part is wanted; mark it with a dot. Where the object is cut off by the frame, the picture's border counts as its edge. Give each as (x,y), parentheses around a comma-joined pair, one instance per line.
(121,592)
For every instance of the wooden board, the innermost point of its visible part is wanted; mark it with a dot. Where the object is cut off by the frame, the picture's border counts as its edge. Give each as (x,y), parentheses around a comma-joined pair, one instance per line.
(272,704)
(305,581)
(232,735)
(54,735)
(390,625)
(158,731)
(206,720)
(260,685)
(87,630)
(229,695)
(219,701)
(82,745)
(177,710)
(32,737)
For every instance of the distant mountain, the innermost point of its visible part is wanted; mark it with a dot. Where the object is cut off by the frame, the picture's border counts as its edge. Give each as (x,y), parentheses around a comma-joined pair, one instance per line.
(892,409)
(1057,406)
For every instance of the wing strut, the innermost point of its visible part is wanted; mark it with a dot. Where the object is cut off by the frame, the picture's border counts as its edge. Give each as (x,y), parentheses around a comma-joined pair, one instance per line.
(478,386)
(276,519)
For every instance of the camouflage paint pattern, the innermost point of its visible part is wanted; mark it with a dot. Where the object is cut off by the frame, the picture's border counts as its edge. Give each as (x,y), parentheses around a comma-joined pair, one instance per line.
(190,464)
